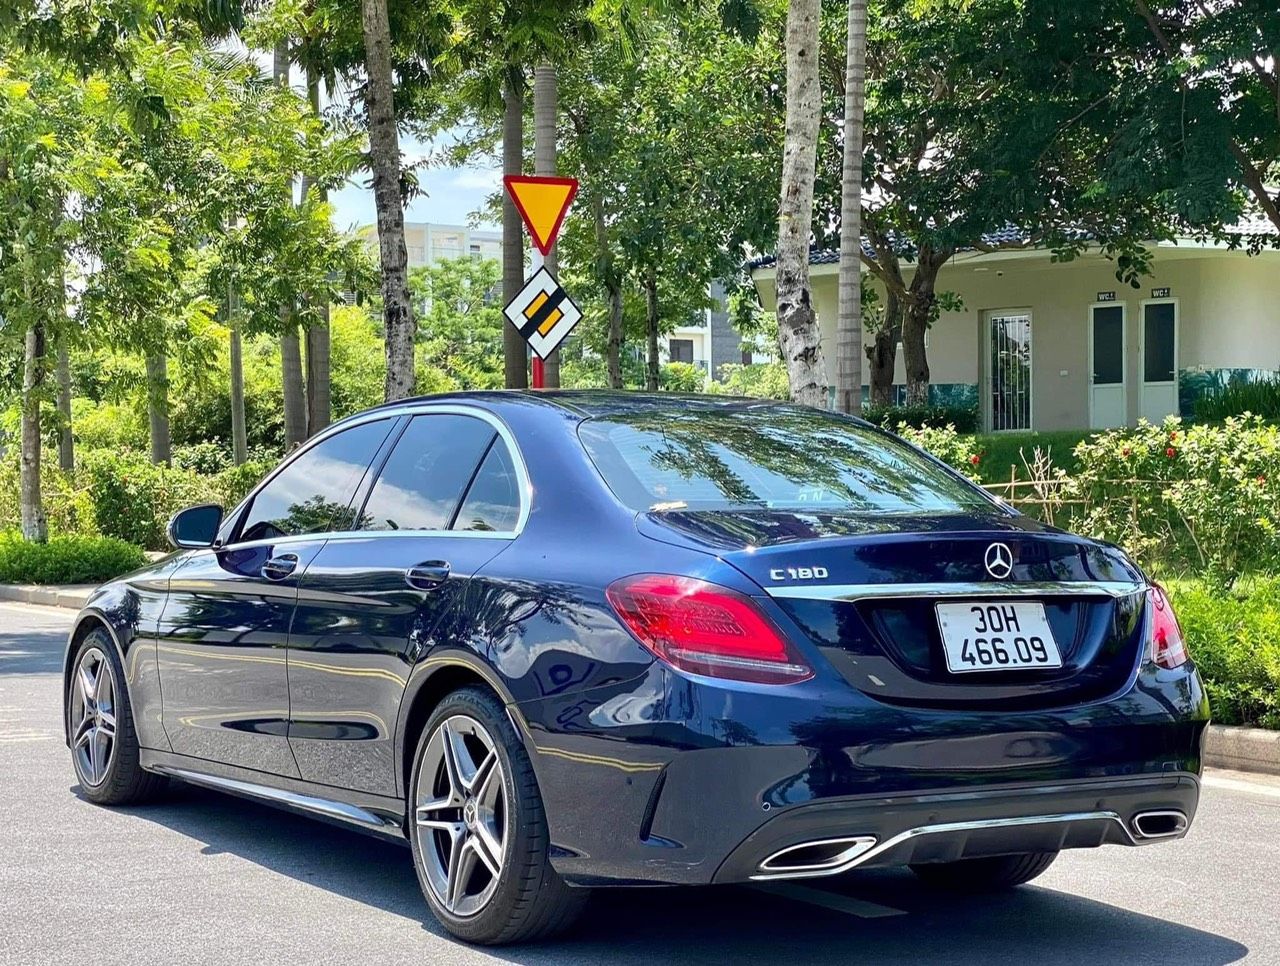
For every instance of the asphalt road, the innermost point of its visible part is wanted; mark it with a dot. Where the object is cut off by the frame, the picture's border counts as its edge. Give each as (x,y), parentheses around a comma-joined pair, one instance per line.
(204,878)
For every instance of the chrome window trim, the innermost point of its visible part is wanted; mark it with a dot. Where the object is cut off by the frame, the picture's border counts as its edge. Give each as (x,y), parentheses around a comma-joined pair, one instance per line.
(1047,588)
(524,487)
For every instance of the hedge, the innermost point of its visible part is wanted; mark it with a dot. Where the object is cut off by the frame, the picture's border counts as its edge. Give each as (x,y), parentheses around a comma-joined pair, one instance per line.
(66,559)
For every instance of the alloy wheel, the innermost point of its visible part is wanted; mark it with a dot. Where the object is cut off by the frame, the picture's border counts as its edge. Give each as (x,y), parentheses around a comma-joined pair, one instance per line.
(93,717)
(460,815)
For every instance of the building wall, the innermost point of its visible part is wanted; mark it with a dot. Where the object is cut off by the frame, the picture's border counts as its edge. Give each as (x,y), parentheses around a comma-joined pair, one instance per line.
(1228,318)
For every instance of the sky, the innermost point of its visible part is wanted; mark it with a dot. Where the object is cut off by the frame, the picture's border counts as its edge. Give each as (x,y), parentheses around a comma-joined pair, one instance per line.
(450,196)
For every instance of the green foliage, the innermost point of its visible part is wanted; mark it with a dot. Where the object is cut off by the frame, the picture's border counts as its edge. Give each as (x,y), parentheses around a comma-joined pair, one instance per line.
(65,559)
(963,418)
(681,377)
(1234,637)
(1197,498)
(946,443)
(1238,398)
(461,323)
(1004,454)
(759,380)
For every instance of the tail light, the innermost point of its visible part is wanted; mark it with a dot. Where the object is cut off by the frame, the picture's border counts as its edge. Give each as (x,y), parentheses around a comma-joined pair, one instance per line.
(703,628)
(1167,647)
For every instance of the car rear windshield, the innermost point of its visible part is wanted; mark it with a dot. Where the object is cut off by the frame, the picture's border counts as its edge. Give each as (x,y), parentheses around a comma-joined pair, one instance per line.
(767,456)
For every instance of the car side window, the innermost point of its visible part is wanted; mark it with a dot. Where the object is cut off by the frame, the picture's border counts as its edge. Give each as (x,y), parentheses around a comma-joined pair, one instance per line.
(313,493)
(493,501)
(427,472)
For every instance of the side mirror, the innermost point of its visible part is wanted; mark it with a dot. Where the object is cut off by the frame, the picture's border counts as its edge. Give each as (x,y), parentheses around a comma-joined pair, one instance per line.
(195,527)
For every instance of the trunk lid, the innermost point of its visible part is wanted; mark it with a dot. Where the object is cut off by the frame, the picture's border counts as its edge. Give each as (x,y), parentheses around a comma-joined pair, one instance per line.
(864,590)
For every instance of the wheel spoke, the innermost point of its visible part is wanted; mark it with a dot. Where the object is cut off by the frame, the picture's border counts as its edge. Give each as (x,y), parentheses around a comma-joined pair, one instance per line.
(483,777)
(84,732)
(427,811)
(488,849)
(107,724)
(460,870)
(88,685)
(95,758)
(102,692)
(452,765)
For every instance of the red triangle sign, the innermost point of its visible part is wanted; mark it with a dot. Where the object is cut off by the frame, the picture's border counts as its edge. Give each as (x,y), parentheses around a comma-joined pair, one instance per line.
(542,202)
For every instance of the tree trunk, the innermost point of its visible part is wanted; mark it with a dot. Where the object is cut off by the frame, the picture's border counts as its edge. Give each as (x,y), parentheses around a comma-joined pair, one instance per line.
(544,163)
(295,413)
(849,312)
(66,440)
(384,163)
(613,294)
(295,397)
(34,525)
(651,372)
(239,436)
(319,346)
(158,406)
(915,323)
(514,353)
(799,338)
(883,352)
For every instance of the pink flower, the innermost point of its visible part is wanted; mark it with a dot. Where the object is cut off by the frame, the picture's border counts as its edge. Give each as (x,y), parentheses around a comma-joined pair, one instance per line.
(1126,451)
(1171,452)
(974,459)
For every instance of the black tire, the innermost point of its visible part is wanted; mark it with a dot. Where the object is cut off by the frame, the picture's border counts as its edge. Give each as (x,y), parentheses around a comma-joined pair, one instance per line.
(529,901)
(990,874)
(123,781)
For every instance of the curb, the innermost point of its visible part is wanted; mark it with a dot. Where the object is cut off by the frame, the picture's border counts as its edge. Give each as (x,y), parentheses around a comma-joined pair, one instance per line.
(71,597)
(1243,749)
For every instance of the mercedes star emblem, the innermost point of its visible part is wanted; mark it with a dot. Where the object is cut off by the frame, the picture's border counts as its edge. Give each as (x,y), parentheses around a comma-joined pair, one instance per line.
(999,560)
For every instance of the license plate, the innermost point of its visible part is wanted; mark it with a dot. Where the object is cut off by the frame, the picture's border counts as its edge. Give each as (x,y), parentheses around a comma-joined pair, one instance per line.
(997,636)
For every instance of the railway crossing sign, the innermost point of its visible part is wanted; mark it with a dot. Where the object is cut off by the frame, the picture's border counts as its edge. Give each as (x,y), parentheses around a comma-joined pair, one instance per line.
(543,312)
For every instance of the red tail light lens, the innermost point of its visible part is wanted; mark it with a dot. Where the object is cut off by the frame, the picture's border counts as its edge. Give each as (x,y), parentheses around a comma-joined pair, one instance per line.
(703,628)
(1167,647)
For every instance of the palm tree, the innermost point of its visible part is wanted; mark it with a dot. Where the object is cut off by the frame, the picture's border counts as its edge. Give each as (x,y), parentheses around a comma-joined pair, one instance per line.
(799,339)
(544,162)
(295,403)
(384,162)
(849,311)
(513,346)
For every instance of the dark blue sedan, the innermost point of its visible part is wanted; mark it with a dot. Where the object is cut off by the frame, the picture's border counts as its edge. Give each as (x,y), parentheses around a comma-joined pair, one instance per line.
(573,639)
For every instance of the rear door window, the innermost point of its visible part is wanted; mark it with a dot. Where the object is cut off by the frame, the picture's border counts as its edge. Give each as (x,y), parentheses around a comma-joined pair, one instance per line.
(423,480)
(493,501)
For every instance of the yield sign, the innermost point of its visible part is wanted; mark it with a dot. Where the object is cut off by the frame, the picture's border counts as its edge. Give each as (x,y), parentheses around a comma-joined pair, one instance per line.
(542,203)
(543,312)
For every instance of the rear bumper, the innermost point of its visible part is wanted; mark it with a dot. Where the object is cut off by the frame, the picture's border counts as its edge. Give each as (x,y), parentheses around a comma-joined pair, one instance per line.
(948,827)
(667,780)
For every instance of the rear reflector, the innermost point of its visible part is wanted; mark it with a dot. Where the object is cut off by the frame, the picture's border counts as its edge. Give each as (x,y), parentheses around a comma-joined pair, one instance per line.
(1168,650)
(704,628)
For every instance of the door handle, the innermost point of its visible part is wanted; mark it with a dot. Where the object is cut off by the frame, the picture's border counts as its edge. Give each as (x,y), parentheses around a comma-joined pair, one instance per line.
(428,575)
(278,568)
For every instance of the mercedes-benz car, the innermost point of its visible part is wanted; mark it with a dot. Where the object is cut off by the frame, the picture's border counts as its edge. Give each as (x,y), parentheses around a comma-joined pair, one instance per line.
(563,640)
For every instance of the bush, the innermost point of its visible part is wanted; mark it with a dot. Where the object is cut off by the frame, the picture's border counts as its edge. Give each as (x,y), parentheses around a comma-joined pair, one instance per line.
(963,418)
(68,507)
(1235,640)
(1006,453)
(759,380)
(1260,398)
(1202,499)
(681,377)
(66,559)
(947,444)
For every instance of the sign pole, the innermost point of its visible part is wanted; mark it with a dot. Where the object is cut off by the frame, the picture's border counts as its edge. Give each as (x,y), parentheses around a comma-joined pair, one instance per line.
(538,380)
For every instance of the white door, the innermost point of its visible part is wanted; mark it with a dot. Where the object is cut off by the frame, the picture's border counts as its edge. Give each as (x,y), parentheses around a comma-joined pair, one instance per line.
(1159,359)
(1108,393)
(1008,370)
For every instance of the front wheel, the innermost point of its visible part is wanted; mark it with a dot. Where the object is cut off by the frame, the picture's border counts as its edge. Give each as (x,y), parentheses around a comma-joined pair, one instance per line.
(478,828)
(986,874)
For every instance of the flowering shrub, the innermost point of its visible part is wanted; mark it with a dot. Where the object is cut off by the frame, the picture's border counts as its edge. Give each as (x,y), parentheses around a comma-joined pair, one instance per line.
(947,444)
(1195,498)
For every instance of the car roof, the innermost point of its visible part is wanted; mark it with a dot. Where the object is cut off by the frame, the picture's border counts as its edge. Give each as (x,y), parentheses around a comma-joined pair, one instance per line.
(593,402)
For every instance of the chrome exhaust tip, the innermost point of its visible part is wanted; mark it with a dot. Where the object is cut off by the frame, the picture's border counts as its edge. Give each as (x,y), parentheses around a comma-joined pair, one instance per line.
(820,857)
(1159,824)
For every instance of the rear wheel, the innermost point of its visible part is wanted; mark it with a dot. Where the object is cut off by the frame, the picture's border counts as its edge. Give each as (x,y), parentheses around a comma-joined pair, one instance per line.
(478,828)
(986,874)
(104,744)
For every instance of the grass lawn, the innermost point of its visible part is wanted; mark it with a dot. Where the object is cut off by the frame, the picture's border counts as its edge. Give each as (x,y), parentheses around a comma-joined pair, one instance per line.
(1000,451)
